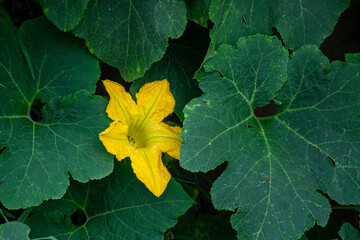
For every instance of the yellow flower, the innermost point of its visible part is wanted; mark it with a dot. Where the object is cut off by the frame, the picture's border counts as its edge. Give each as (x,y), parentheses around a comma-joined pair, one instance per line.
(139,133)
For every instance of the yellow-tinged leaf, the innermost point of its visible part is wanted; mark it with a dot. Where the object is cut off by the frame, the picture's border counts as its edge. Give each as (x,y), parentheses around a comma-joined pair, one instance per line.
(121,106)
(138,131)
(149,169)
(155,101)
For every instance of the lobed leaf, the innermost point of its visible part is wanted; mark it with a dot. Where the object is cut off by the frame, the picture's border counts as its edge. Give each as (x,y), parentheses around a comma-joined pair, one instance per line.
(131,34)
(116,207)
(276,164)
(298,22)
(37,154)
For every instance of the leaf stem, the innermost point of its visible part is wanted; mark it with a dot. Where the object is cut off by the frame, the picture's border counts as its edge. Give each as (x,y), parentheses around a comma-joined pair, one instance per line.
(25,214)
(196,184)
(3,215)
(19,39)
(8,214)
(184,181)
(343,207)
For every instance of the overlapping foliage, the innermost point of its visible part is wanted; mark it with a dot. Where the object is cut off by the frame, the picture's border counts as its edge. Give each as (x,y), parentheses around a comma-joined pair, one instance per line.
(283,117)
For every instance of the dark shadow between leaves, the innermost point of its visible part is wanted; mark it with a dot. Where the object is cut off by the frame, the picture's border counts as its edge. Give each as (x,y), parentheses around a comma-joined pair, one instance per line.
(78,218)
(35,110)
(221,75)
(210,24)
(339,215)
(2,149)
(332,161)
(266,111)
(276,33)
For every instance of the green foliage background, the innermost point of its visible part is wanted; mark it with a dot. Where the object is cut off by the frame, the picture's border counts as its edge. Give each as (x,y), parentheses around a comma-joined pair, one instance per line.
(271,123)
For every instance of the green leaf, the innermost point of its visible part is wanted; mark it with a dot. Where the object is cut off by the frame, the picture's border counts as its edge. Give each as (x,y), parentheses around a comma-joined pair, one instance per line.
(19,39)
(298,22)
(131,35)
(61,63)
(65,14)
(353,57)
(276,164)
(14,230)
(178,66)
(116,207)
(348,232)
(198,11)
(38,154)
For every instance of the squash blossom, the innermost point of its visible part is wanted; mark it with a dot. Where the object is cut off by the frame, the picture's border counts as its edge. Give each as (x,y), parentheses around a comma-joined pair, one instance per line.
(139,133)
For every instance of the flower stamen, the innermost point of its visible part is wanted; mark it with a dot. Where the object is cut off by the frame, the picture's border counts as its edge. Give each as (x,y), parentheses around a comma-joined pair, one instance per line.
(131,141)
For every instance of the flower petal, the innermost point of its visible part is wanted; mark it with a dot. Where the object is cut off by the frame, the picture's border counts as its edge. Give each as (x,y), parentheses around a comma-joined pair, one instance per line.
(149,169)
(115,140)
(121,106)
(155,101)
(166,138)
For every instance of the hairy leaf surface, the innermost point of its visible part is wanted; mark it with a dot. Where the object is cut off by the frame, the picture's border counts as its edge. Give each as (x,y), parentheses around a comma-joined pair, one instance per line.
(39,152)
(116,207)
(131,34)
(276,164)
(299,22)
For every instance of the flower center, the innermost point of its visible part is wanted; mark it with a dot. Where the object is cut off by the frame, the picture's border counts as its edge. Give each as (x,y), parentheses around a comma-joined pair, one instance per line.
(131,141)
(137,136)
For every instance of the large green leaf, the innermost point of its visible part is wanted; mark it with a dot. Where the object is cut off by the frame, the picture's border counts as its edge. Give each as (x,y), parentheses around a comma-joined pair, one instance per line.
(65,14)
(299,22)
(37,155)
(178,66)
(348,232)
(116,207)
(131,34)
(13,231)
(276,164)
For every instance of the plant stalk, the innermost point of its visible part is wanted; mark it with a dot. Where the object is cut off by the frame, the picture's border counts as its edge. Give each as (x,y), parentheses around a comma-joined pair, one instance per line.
(3,215)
